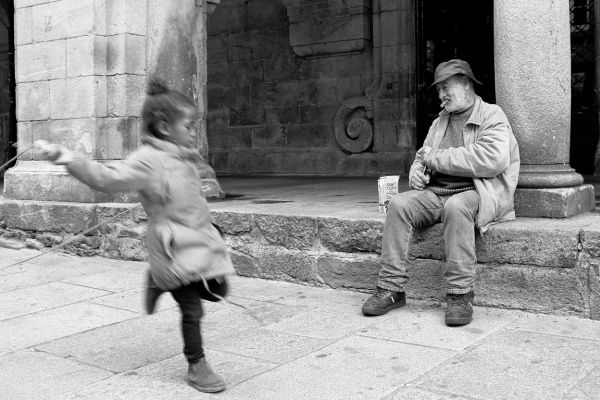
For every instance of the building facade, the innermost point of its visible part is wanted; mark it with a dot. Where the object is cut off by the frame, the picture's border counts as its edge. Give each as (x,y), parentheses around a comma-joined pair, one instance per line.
(287,87)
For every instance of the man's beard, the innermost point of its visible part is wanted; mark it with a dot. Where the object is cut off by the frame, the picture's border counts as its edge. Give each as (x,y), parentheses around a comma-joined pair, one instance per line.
(459,102)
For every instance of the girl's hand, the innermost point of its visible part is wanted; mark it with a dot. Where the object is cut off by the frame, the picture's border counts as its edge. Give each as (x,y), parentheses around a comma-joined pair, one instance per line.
(56,153)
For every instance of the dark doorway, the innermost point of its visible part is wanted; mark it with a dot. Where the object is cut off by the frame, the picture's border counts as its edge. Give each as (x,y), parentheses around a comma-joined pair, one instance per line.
(452,29)
(8,118)
(584,107)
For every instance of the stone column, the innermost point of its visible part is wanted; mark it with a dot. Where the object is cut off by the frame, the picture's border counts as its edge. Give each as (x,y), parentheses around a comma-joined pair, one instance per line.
(597,14)
(176,52)
(80,72)
(533,87)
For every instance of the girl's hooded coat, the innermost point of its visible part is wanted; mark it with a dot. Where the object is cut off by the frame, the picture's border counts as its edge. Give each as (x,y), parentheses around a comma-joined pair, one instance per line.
(183,245)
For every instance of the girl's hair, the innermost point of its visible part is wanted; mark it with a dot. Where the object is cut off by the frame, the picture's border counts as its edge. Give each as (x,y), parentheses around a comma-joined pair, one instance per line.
(162,104)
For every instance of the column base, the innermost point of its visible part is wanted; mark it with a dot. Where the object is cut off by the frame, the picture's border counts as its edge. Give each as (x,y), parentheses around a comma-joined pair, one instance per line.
(42,181)
(554,203)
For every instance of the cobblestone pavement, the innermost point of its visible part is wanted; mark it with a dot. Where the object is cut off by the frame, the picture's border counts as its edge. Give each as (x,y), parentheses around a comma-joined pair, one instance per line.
(73,328)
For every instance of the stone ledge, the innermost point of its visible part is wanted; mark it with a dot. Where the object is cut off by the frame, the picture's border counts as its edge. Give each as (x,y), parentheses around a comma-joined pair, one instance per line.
(541,265)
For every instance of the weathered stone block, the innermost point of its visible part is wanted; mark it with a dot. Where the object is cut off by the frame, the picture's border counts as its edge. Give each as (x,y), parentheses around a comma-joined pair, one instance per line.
(537,289)
(75,134)
(125,95)
(227,18)
(216,50)
(126,16)
(25,135)
(317,135)
(241,162)
(318,114)
(11,244)
(247,116)
(119,137)
(126,54)
(33,101)
(123,226)
(545,243)
(291,232)
(335,91)
(590,235)
(350,236)
(34,244)
(262,14)
(86,55)
(288,265)
(554,203)
(80,97)
(219,161)
(269,136)
(344,271)
(125,248)
(48,216)
(236,74)
(23,26)
(229,138)
(286,68)
(345,66)
(67,19)
(257,45)
(41,61)
(244,264)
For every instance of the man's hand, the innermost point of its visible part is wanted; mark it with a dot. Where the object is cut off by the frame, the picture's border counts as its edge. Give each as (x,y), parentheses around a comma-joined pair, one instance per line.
(57,154)
(424,152)
(419,180)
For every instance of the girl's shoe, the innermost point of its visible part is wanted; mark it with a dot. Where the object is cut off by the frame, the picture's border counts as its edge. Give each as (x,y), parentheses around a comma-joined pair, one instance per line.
(201,377)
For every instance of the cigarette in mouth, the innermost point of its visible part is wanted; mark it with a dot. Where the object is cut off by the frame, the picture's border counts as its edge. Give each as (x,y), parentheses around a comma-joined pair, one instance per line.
(444,103)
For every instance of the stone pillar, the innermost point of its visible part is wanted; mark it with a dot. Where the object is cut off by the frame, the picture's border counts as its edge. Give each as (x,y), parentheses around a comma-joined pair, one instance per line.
(597,19)
(81,70)
(80,73)
(176,52)
(533,86)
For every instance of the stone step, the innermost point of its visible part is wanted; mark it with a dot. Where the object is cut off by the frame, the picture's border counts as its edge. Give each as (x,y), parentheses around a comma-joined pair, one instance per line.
(541,265)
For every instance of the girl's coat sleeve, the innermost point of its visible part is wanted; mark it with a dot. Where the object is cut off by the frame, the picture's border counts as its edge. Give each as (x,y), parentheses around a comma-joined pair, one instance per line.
(134,173)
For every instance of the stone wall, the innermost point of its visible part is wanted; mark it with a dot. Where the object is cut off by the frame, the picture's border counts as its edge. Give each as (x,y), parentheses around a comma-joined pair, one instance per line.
(311,87)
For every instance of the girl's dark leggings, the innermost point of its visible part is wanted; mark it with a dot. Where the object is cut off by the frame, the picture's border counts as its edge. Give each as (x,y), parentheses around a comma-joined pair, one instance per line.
(188,297)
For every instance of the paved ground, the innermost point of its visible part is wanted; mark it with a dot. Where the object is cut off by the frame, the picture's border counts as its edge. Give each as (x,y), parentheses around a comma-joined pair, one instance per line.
(73,328)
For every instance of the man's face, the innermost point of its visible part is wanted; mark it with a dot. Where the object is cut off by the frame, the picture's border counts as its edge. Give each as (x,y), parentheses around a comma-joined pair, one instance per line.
(453,94)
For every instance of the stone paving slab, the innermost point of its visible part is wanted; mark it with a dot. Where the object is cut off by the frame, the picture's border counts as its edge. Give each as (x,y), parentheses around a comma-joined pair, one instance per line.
(364,368)
(425,326)
(307,343)
(39,298)
(32,329)
(125,346)
(518,365)
(26,375)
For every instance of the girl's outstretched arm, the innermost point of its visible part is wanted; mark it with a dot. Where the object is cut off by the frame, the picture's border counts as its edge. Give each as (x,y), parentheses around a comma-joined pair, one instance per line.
(134,173)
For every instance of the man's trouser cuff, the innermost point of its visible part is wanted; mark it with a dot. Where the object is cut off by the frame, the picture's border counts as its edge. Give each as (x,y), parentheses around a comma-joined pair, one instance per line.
(391,288)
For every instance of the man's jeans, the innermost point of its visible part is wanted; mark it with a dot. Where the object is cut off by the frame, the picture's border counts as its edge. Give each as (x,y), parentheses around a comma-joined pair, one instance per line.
(419,209)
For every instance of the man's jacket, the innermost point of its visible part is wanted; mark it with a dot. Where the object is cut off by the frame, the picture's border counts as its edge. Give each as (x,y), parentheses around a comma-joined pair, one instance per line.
(490,156)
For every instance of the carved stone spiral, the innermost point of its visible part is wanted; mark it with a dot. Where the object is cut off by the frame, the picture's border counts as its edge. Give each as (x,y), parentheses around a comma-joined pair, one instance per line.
(353,127)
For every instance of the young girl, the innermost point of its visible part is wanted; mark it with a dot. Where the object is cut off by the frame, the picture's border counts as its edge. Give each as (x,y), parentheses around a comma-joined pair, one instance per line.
(187,254)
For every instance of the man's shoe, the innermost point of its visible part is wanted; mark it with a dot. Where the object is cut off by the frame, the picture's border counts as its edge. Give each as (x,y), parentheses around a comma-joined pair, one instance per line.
(383,301)
(153,292)
(459,310)
(201,377)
